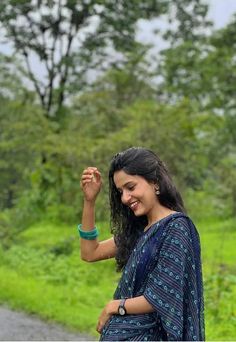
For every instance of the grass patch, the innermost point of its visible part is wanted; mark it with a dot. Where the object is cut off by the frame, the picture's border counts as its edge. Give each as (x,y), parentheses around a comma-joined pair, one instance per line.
(218,245)
(51,302)
(219,269)
(52,281)
(43,274)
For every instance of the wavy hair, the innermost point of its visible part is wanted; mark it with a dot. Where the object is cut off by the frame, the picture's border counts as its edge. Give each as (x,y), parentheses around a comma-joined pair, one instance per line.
(126,227)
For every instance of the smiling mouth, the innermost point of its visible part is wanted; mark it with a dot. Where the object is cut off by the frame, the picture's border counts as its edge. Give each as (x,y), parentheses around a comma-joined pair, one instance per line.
(134,205)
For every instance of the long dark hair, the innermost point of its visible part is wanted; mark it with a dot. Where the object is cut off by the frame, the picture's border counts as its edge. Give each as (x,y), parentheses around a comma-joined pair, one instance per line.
(125,226)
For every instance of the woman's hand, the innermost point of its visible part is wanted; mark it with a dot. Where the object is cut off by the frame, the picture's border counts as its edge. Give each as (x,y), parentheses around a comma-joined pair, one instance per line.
(104,317)
(110,309)
(91,183)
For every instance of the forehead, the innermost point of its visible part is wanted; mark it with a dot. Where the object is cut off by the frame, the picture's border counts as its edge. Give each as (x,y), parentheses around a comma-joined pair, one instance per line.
(121,178)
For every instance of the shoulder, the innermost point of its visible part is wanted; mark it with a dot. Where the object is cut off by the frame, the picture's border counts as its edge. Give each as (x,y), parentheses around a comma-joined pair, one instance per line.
(177,238)
(181,222)
(181,227)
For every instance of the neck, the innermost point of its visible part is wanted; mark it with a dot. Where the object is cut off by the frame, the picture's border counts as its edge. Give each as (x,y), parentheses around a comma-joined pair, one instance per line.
(159,213)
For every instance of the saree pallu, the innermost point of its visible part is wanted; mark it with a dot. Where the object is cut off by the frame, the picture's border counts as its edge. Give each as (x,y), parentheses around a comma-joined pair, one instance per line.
(164,267)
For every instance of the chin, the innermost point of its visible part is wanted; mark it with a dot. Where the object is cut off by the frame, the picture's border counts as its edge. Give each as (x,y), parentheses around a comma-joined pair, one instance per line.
(139,213)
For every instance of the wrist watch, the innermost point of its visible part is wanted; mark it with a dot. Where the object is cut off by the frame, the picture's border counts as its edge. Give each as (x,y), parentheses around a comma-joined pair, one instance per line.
(121,308)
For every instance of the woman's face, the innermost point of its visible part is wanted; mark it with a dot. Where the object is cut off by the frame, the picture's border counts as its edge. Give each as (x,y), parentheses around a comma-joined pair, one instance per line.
(138,194)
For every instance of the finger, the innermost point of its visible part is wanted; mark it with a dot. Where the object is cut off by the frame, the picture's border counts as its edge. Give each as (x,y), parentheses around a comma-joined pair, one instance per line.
(87,179)
(92,176)
(91,168)
(85,183)
(84,177)
(99,329)
(88,172)
(97,173)
(97,176)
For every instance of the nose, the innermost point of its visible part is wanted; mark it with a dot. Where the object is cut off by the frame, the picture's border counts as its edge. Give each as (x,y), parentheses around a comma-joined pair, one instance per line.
(125,197)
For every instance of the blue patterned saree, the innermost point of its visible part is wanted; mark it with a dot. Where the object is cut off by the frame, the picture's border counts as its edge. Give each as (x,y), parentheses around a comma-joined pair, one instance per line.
(164,267)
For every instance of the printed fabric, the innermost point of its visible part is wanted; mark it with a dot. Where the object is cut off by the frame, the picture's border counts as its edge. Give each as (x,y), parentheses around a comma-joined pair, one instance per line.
(164,267)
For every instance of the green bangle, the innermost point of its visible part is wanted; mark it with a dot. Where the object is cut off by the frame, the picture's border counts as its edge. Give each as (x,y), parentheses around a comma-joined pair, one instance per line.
(89,232)
(88,235)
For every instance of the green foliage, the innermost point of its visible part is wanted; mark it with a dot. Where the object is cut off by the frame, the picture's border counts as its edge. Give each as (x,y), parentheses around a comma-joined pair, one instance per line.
(203,70)
(207,202)
(50,184)
(221,288)
(10,81)
(21,134)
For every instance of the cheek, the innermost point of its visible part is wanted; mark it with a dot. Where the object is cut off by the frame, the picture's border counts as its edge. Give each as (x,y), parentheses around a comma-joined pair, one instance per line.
(151,196)
(147,195)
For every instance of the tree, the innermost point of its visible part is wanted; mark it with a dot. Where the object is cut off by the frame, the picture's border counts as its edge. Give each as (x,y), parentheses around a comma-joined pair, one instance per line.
(20,143)
(204,71)
(69,38)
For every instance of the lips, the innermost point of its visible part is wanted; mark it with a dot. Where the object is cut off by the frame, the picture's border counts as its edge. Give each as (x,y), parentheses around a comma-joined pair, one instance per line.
(134,205)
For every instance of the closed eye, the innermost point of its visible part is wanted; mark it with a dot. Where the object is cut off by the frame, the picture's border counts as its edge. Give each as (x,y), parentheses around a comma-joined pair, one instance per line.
(129,187)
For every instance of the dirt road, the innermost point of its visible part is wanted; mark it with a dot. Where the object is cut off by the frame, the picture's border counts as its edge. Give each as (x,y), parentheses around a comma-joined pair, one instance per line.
(17,326)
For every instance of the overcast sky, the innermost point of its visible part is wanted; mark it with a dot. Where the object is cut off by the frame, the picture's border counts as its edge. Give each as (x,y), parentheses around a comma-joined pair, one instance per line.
(220,12)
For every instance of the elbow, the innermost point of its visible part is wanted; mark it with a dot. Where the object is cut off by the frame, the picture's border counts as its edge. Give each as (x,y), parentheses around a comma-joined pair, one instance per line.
(86,258)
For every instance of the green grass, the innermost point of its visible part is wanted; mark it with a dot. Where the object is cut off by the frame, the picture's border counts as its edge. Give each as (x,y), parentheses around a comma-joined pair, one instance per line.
(42,274)
(51,302)
(218,244)
(219,269)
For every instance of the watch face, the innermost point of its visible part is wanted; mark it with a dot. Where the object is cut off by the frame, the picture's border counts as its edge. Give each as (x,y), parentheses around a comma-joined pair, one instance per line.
(121,311)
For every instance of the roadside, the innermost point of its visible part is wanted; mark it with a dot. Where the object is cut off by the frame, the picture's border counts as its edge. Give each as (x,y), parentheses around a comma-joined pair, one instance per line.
(18,326)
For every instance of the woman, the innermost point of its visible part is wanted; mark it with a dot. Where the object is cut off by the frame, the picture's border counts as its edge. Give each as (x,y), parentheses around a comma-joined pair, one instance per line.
(160,294)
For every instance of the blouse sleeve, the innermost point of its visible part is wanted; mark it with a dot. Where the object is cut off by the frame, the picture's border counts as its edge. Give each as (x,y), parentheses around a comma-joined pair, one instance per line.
(165,285)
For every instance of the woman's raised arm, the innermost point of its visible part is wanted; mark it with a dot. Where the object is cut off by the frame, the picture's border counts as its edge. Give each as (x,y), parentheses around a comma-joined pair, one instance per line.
(93,250)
